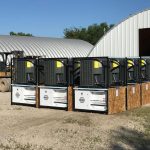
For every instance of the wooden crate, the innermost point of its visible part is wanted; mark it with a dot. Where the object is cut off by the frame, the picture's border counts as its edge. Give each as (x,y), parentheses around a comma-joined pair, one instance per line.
(37,97)
(8,73)
(145,93)
(133,96)
(3,74)
(70,98)
(116,100)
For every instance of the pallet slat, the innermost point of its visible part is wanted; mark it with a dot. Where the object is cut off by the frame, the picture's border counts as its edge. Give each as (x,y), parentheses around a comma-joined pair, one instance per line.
(70,98)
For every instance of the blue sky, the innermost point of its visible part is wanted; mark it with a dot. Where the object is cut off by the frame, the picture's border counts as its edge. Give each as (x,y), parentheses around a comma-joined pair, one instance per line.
(50,17)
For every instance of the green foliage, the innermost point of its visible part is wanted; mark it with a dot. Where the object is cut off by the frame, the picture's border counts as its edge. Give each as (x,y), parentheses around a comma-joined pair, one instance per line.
(90,34)
(20,34)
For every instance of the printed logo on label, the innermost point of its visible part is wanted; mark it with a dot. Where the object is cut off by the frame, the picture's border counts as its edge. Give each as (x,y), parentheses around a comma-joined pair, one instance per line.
(17,95)
(46,97)
(82,99)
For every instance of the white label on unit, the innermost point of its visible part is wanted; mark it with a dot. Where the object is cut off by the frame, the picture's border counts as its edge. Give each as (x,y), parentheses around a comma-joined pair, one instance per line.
(53,97)
(23,95)
(133,90)
(90,100)
(117,92)
(146,86)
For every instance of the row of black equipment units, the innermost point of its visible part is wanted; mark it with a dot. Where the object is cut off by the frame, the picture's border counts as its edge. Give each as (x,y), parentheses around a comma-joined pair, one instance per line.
(110,84)
(93,84)
(41,81)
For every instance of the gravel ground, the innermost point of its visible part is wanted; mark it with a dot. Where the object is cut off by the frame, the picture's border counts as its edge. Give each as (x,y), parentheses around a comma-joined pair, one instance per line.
(29,128)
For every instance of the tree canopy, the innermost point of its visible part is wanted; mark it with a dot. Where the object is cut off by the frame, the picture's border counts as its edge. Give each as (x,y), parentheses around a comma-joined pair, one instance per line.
(90,34)
(20,34)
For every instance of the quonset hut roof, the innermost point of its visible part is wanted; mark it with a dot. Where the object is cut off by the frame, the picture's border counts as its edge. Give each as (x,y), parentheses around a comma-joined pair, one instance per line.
(46,47)
(123,39)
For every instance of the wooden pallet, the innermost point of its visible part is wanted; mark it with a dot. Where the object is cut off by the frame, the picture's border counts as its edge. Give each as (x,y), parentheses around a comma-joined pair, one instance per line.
(133,96)
(145,93)
(116,100)
(5,74)
(37,97)
(70,98)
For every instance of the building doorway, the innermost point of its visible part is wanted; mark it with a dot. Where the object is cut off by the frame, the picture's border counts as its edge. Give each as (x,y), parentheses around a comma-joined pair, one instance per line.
(144,42)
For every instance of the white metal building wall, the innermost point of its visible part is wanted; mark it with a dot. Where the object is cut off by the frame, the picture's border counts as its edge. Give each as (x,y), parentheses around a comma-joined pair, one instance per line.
(123,39)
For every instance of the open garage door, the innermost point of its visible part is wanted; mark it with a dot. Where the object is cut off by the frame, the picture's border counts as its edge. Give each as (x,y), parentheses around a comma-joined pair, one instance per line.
(144,42)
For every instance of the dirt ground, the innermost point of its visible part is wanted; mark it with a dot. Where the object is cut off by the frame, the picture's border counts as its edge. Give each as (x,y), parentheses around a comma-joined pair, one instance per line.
(26,128)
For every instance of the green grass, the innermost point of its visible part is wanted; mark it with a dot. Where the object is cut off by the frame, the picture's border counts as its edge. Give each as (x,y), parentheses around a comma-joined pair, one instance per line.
(144,114)
(133,138)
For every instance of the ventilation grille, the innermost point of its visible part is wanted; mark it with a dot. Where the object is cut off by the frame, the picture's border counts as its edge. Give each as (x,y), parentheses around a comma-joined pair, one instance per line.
(86,73)
(49,71)
(21,74)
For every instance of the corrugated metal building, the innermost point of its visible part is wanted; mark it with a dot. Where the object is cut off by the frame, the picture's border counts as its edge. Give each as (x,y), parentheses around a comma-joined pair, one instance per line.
(130,38)
(47,47)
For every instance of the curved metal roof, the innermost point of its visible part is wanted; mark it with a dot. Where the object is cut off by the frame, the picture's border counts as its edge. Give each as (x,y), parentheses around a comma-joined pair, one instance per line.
(43,46)
(123,39)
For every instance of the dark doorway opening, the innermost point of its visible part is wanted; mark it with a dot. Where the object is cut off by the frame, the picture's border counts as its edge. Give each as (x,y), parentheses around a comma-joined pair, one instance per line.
(144,42)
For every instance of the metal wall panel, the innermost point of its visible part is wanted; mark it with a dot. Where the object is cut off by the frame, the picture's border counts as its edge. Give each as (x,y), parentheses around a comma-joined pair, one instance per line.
(47,47)
(123,39)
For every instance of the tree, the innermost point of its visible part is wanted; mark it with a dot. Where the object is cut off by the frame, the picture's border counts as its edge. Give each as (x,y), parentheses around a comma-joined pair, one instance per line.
(90,34)
(20,34)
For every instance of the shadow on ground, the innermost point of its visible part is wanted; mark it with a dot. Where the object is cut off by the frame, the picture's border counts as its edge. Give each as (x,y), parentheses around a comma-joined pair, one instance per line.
(127,138)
